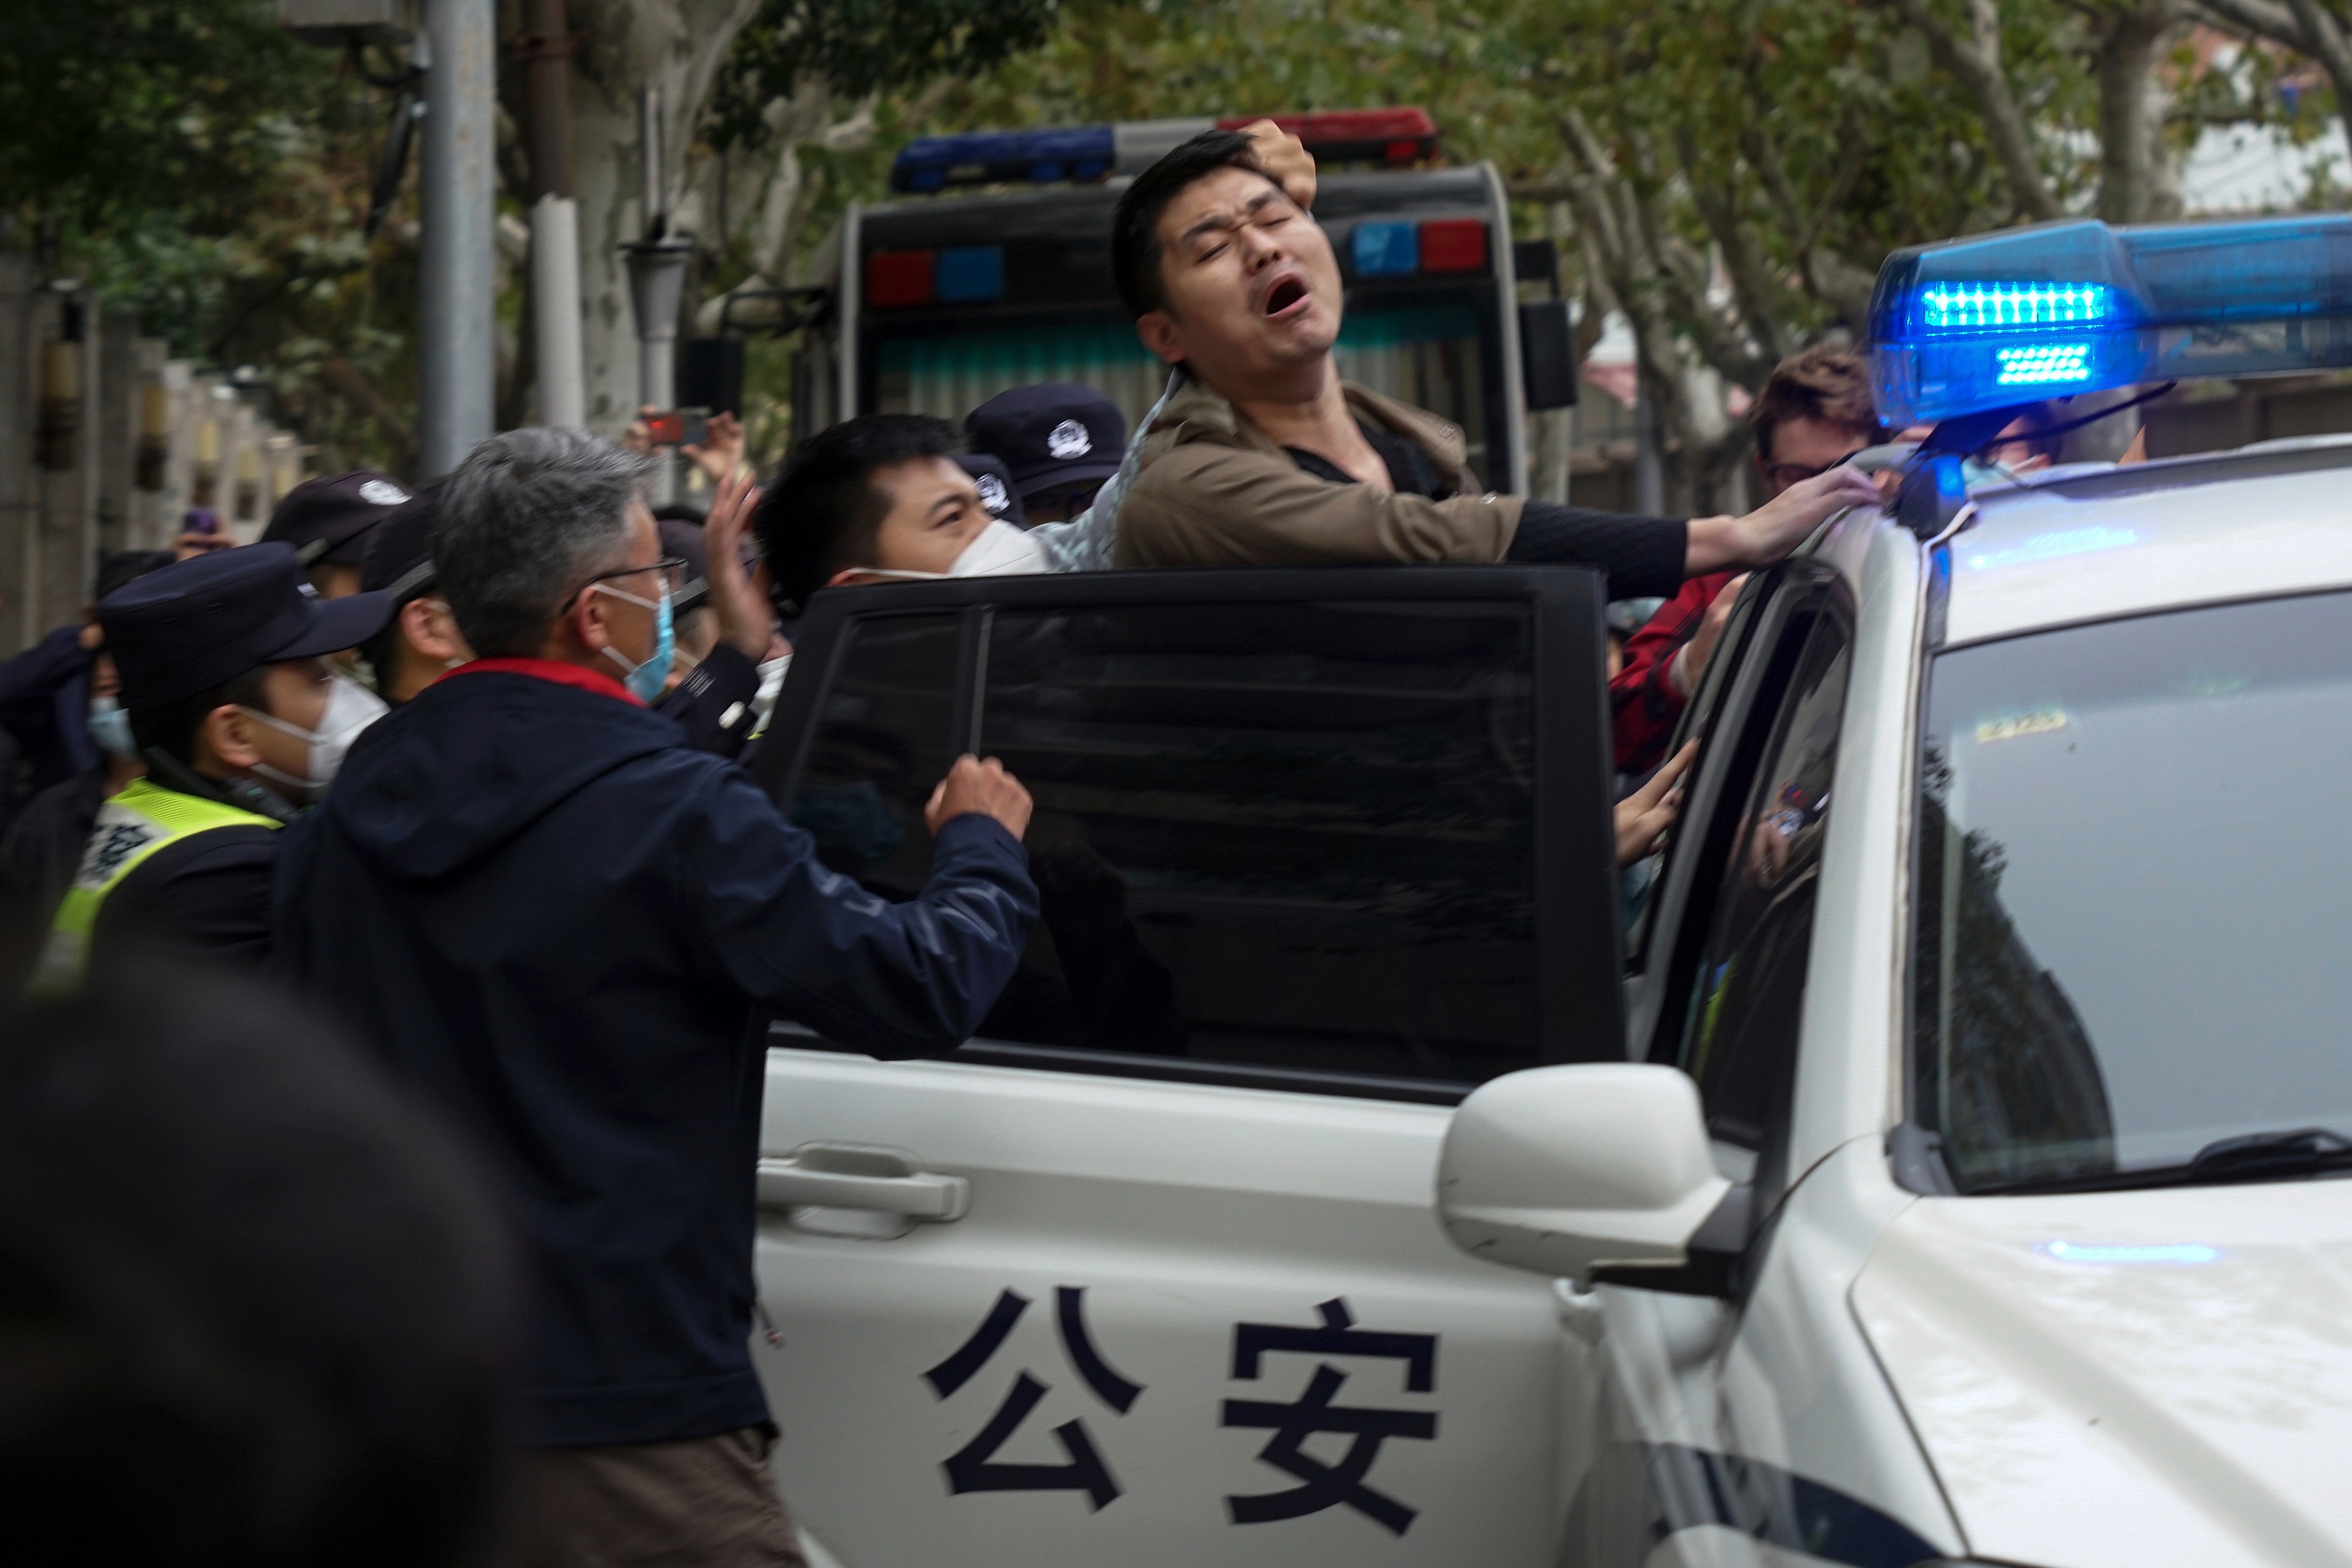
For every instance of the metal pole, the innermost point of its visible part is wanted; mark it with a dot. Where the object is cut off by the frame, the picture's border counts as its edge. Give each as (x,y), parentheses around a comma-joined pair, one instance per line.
(458,347)
(546,49)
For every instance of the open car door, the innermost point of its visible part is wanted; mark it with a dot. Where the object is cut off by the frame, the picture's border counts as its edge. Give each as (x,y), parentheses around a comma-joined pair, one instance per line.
(1147,1272)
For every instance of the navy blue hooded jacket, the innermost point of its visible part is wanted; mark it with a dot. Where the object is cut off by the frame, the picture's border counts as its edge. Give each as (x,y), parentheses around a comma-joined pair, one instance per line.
(571,928)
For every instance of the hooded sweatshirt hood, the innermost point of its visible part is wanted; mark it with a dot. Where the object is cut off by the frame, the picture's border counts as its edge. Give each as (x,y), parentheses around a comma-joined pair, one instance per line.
(478,757)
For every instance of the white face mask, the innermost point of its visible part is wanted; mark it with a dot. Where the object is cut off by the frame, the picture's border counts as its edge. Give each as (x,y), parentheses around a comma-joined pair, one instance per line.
(999,549)
(350,707)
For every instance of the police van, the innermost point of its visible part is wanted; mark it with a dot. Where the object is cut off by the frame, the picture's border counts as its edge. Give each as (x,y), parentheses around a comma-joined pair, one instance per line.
(1929,1176)
(934,303)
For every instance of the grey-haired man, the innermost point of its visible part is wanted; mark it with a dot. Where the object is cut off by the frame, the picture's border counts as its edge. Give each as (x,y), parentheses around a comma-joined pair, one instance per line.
(570,926)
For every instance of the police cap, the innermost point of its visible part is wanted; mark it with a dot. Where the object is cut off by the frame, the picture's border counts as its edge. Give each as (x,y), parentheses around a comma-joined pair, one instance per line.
(996,492)
(1050,435)
(396,561)
(192,625)
(327,521)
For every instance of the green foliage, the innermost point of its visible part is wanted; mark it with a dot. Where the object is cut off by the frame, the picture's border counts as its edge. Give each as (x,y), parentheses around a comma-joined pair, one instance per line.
(119,109)
(859,46)
(204,171)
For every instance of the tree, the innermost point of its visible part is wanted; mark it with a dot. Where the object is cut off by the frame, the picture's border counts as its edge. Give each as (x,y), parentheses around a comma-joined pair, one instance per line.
(746,86)
(201,169)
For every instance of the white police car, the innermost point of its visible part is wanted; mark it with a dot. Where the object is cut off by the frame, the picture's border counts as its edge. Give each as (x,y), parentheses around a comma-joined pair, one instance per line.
(1928,1177)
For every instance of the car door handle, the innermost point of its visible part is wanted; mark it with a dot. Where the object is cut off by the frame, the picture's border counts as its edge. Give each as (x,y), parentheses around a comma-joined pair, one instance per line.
(861,1176)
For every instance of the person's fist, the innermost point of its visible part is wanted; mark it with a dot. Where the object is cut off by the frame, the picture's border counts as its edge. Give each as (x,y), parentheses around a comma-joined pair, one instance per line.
(1783,523)
(1286,160)
(972,785)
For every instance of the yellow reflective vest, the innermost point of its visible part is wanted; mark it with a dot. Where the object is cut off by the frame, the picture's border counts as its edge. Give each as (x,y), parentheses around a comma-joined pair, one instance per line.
(132,826)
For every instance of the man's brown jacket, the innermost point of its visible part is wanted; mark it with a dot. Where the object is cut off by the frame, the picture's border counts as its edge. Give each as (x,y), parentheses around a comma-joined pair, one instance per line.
(1214,490)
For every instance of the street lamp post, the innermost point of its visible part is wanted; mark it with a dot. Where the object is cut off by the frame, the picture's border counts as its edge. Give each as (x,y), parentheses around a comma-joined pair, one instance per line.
(656,282)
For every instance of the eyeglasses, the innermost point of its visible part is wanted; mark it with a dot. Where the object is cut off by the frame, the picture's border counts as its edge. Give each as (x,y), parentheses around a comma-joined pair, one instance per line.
(671,567)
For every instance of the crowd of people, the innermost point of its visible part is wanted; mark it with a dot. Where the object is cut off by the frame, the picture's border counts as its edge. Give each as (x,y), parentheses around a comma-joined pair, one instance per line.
(455,775)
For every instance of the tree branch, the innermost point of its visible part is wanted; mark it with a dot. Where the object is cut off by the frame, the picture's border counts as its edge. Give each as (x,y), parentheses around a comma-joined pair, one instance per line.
(1975,62)
(363,397)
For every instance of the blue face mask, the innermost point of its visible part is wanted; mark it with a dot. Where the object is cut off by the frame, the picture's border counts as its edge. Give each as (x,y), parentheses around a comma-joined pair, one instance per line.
(646,680)
(109,726)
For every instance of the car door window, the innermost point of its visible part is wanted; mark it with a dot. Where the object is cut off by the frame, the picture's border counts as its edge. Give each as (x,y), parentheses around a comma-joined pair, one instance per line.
(1292,835)
(884,738)
(1698,721)
(1740,1029)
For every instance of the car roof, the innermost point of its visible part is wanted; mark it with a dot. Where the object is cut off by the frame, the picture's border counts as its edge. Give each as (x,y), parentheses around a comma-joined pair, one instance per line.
(2092,542)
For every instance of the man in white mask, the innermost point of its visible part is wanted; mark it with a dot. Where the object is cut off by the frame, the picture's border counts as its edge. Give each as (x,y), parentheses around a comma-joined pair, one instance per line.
(242,718)
(881,498)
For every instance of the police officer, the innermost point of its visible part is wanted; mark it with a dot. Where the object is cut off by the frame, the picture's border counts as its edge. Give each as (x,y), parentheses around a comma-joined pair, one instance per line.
(241,720)
(328,521)
(996,490)
(1059,440)
(420,640)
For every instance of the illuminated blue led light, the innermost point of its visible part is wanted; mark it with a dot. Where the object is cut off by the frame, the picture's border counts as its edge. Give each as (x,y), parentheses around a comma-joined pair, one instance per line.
(2051,546)
(2042,363)
(1972,307)
(2000,319)
(2176,1252)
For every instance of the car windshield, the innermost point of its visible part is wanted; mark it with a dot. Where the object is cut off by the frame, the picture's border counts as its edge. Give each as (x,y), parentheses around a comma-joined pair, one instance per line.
(2129,915)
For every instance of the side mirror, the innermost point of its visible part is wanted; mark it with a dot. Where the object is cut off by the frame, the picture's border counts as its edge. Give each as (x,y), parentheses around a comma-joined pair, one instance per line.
(1585,1171)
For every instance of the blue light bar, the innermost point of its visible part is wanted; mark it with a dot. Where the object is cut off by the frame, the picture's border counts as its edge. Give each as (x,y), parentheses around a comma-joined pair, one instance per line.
(2079,307)
(998,157)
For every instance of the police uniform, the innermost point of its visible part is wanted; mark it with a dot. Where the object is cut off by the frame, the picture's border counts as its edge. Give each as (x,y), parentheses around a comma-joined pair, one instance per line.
(177,860)
(715,704)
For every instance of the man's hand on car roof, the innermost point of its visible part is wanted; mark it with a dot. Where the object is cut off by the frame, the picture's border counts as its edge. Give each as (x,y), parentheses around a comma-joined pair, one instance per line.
(1778,526)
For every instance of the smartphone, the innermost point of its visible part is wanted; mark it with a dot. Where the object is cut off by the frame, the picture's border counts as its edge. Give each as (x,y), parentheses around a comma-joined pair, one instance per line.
(200,519)
(680,426)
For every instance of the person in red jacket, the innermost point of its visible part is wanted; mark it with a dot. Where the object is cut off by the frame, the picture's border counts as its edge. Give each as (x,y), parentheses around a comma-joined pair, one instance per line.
(1814,412)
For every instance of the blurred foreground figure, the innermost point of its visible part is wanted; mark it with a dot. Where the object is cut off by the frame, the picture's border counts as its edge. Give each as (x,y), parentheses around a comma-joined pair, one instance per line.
(254,1310)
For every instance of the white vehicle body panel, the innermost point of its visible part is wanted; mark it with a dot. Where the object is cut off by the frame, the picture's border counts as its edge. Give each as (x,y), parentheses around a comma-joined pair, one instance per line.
(2047,556)
(1181,1210)
(2134,1378)
(1848,1075)
(1783,1389)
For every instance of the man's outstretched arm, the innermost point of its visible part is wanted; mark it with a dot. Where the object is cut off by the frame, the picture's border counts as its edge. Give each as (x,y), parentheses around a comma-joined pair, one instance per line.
(897,979)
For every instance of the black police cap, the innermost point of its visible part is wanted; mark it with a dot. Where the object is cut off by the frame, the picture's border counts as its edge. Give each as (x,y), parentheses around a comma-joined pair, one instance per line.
(192,625)
(329,519)
(397,559)
(1050,435)
(996,489)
